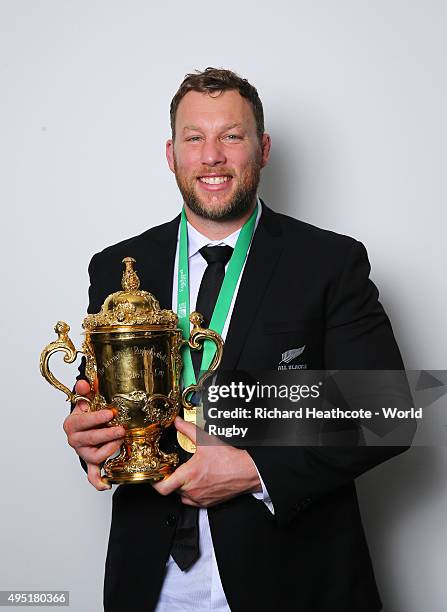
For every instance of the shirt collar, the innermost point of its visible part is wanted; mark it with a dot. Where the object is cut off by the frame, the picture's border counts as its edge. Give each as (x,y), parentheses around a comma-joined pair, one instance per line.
(196,240)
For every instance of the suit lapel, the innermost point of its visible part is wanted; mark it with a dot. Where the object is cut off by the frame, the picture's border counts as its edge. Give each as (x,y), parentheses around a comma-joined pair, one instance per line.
(261,261)
(160,253)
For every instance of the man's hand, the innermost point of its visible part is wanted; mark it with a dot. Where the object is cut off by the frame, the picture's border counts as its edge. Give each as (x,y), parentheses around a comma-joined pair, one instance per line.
(213,474)
(91,438)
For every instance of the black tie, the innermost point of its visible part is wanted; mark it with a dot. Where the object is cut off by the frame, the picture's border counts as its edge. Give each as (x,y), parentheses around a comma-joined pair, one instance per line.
(185,547)
(217,258)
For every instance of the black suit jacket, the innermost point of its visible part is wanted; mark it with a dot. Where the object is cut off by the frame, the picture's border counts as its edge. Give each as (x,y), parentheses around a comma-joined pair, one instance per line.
(301,286)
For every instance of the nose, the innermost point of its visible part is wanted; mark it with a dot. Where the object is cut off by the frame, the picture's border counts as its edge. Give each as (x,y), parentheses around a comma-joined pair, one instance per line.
(212,153)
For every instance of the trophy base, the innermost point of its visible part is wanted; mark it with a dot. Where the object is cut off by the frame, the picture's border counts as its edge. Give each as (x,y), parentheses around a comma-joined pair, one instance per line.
(152,476)
(140,460)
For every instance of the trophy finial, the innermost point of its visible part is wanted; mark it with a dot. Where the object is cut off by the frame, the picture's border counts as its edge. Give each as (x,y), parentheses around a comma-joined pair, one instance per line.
(131,306)
(130,281)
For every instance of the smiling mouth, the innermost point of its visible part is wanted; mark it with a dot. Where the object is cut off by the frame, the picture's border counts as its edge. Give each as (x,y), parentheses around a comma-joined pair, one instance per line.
(214,180)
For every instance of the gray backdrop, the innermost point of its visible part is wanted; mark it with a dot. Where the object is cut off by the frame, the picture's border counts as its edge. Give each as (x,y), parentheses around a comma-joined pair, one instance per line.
(355,96)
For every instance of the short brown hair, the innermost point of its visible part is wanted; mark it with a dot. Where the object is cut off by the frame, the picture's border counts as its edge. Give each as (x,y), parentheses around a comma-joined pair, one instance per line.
(218,80)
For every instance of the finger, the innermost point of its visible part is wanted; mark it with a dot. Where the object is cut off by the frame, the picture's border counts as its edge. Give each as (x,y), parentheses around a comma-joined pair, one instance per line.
(94,478)
(81,406)
(94,437)
(99,455)
(172,483)
(80,421)
(189,429)
(82,387)
(188,502)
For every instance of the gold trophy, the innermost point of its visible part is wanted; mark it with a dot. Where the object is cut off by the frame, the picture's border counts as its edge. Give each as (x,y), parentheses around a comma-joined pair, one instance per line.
(133,363)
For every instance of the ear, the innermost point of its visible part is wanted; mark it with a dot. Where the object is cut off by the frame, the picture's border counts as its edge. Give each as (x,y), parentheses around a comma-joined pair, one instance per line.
(170,153)
(266,143)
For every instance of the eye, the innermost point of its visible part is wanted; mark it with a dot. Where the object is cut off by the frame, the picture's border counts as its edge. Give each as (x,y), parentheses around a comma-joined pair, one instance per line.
(232,137)
(193,139)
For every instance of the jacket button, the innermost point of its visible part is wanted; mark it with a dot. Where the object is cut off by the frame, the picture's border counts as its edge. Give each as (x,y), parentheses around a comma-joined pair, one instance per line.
(171,520)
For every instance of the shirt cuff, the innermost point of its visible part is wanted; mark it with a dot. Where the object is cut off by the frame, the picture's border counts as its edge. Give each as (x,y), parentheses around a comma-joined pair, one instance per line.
(264,494)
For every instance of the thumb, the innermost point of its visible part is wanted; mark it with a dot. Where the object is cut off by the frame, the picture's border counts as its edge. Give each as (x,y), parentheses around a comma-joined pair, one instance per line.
(94,477)
(188,429)
(82,387)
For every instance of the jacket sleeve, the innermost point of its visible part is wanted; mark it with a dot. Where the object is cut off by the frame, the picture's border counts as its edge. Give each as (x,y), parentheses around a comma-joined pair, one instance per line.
(358,336)
(96,295)
(96,298)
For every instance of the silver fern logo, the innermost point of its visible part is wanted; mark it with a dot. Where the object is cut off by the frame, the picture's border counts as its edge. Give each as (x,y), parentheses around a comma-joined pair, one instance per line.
(289,356)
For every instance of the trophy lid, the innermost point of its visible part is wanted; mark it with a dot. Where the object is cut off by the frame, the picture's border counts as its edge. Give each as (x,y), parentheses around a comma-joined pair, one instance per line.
(131,306)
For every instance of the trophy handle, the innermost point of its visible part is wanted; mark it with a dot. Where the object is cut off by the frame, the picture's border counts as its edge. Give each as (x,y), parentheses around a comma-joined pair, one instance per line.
(64,344)
(197,336)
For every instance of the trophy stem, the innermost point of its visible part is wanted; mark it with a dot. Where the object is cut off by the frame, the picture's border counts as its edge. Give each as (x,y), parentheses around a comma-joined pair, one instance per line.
(140,459)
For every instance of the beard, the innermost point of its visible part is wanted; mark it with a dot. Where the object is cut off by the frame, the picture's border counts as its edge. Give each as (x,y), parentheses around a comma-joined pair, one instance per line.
(239,204)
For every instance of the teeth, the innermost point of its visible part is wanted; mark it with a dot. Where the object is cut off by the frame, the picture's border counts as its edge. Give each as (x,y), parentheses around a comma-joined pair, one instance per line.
(214,180)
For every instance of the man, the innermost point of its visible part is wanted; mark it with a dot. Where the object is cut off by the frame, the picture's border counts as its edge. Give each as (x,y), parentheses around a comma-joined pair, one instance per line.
(278,527)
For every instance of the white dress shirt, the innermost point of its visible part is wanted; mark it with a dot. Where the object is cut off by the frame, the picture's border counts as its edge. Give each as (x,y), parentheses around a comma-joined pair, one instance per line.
(199,588)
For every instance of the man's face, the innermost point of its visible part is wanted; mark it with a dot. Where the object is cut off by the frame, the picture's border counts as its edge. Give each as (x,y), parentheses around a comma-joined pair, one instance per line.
(217,155)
